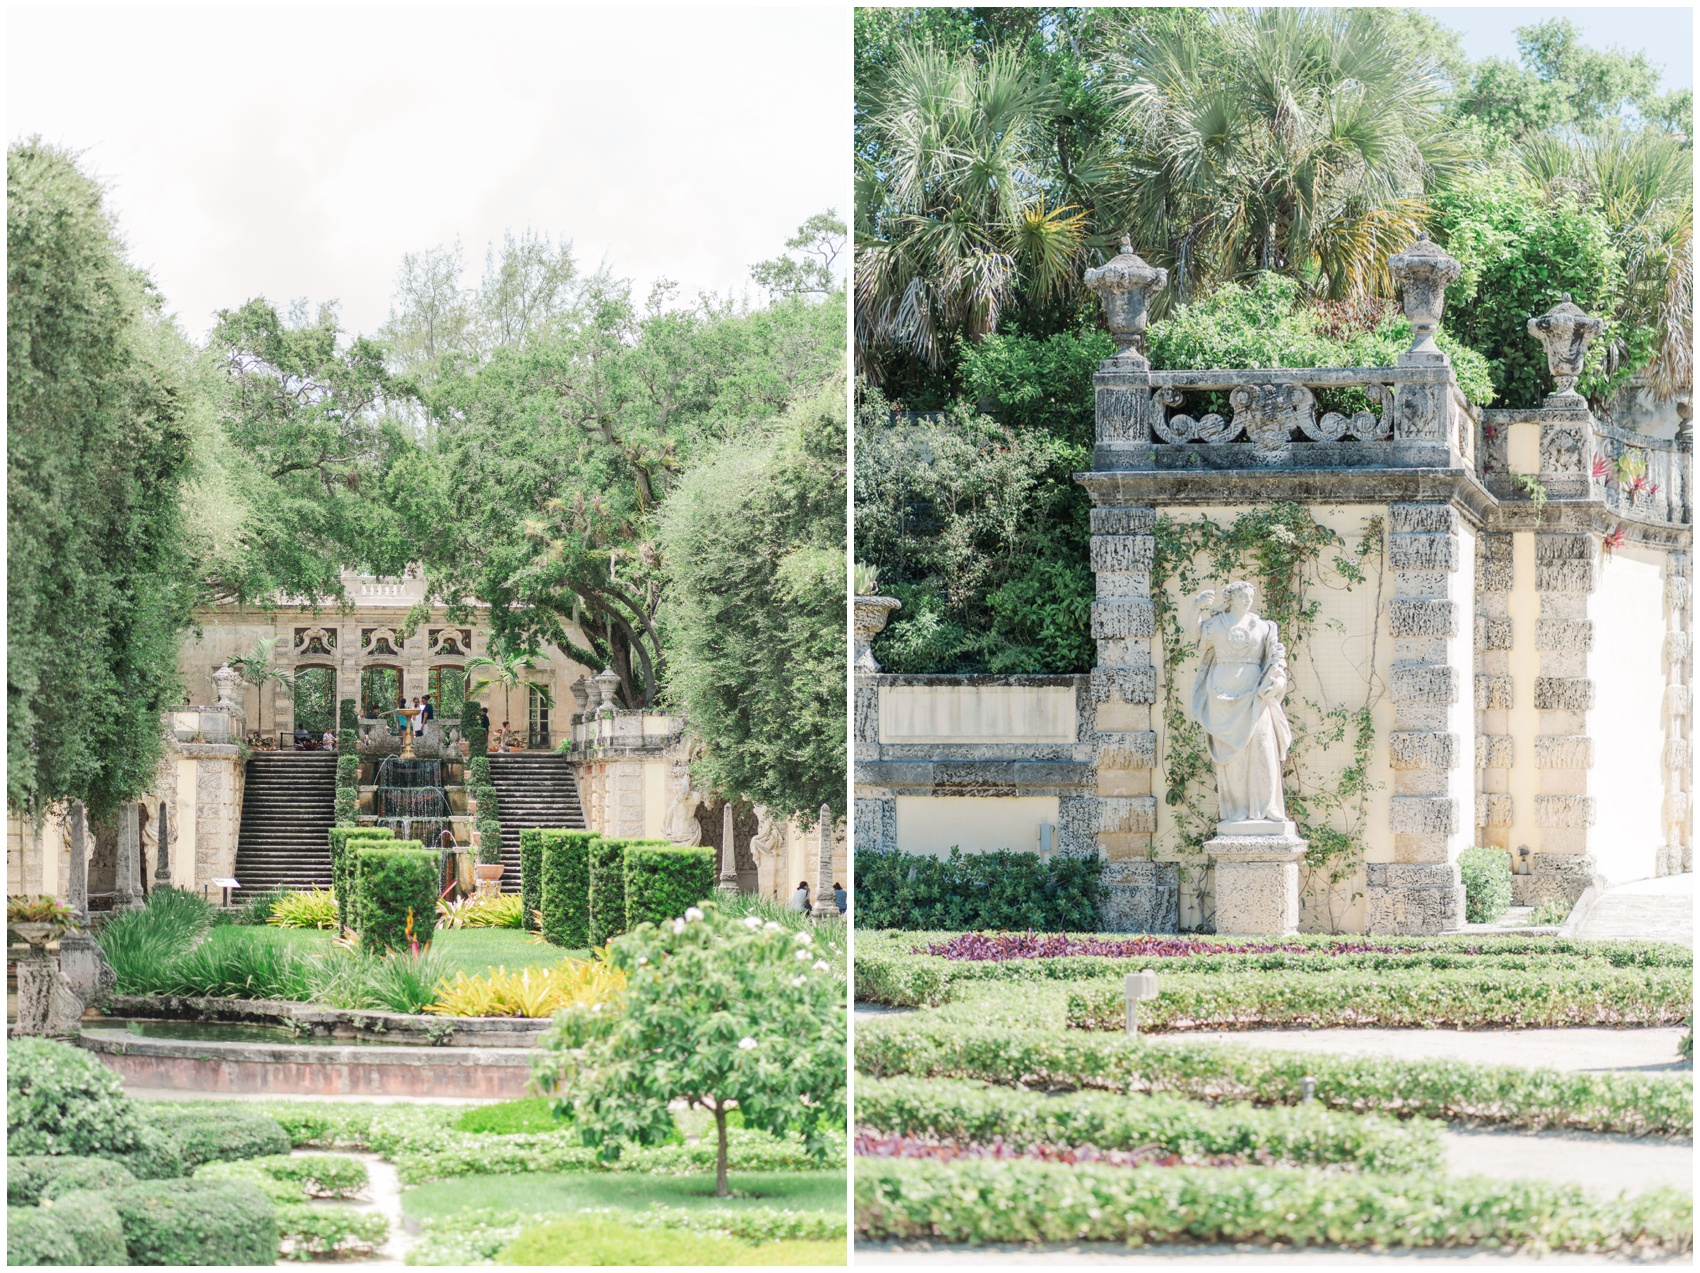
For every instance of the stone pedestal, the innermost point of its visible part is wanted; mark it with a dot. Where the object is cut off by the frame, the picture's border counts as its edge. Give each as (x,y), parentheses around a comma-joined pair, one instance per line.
(1140,897)
(83,968)
(1257,880)
(1414,897)
(46,1004)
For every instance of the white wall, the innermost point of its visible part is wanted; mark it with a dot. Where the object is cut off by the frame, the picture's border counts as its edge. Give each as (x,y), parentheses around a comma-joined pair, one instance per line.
(1627,666)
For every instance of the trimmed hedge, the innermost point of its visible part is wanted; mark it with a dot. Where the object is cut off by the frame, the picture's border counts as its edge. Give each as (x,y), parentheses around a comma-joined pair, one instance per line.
(62,1100)
(1503,1095)
(348,771)
(30,1179)
(392,881)
(565,887)
(662,881)
(88,1233)
(348,717)
(607,890)
(478,769)
(1414,998)
(1303,1135)
(1486,876)
(1004,889)
(192,1221)
(478,741)
(982,1202)
(531,875)
(220,1135)
(342,865)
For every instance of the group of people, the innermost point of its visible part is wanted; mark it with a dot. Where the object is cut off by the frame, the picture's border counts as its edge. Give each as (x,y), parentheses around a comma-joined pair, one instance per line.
(800,899)
(423,712)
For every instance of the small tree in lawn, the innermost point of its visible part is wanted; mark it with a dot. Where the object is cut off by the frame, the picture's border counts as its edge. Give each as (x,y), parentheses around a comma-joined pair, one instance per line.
(717,1011)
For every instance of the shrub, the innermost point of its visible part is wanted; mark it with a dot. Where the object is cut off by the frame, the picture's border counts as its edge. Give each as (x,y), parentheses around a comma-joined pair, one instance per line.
(314,1175)
(489,839)
(94,1226)
(1486,874)
(1639,1105)
(607,890)
(141,944)
(483,910)
(565,881)
(194,1222)
(348,717)
(1553,911)
(531,992)
(980,1202)
(530,874)
(219,1134)
(314,908)
(507,1118)
(1305,1135)
(478,740)
(348,742)
(35,1236)
(253,909)
(342,865)
(478,768)
(598,1239)
(1001,890)
(662,881)
(305,1231)
(62,1100)
(156,1156)
(396,894)
(346,808)
(30,1179)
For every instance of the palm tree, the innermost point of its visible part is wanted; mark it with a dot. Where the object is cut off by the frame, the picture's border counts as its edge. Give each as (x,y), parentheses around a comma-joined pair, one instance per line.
(1294,140)
(951,218)
(256,668)
(508,672)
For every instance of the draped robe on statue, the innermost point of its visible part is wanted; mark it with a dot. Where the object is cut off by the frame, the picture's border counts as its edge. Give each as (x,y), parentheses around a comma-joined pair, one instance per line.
(1240,659)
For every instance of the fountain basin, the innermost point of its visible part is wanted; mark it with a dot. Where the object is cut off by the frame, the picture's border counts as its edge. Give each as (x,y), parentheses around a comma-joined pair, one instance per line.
(315,1021)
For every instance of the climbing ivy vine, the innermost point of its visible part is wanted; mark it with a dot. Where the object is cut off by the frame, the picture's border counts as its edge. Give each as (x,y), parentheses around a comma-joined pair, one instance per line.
(1288,554)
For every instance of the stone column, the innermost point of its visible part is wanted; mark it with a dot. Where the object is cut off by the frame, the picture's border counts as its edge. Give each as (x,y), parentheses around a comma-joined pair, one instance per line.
(81,965)
(1565,566)
(127,884)
(728,852)
(1419,891)
(1494,689)
(1678,715)
(826,906)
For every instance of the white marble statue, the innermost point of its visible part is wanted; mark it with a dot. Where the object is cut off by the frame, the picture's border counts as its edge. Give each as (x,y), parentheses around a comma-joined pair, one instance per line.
(681,826)
(1242,678)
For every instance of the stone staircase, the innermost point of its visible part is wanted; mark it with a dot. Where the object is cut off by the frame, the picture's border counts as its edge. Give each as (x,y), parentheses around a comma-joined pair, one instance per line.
(288,806)
(535,790)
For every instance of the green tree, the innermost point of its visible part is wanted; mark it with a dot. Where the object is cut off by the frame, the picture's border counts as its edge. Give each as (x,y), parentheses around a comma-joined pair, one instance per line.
(717,1012)
(753,540)
(809,266)
(508,671)
(98,448)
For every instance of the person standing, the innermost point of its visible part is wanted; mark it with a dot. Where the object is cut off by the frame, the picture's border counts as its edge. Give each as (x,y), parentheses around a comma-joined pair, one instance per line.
(800,899)
(419,718)
(484,720)
(841,897)
(430,712)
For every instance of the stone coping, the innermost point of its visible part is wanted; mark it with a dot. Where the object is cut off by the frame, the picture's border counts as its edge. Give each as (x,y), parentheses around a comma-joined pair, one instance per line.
(122,1043)
(971,679)
(352,1023)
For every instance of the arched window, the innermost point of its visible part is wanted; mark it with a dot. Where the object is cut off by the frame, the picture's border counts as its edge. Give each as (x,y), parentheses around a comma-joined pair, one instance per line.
(380,686)
(315,699)
(448,691)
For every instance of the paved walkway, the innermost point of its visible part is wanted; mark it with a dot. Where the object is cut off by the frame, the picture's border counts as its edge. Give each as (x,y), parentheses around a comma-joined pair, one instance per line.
(1649,1049)
(1646,910)
(887,1255)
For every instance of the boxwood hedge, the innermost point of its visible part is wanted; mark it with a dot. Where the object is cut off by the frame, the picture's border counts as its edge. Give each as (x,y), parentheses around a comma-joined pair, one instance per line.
(87,1233)
(663,881)
(530,874)
(219,1135)
(608,917)
(342,866)
(1005,889)
(566,887)
(191,1221)
(394,884)
(30,1179)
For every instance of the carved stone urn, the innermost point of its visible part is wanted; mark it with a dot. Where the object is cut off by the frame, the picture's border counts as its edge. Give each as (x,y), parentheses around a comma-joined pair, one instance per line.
(1125,284)
(226,680)
(1565,332)
(605,683)
(871,614)
(1424,271)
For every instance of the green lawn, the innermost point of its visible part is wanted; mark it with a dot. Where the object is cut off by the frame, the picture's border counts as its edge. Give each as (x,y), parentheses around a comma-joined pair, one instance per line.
(567,1192)
(468,950)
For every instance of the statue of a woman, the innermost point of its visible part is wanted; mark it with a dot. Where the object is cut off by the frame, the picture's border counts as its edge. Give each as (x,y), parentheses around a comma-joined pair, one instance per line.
(1242,677)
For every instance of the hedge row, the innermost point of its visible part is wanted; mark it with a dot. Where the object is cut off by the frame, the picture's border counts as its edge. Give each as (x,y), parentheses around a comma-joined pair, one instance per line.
(395,887)
(566,887)
(151,1222)
(1309,1135)
(530,874)
(1635,1104)
(1403,999)
(342,865)
(90,1233)
(982,1202)
(607,890)
(662,881)
(590,888)
(1004,889)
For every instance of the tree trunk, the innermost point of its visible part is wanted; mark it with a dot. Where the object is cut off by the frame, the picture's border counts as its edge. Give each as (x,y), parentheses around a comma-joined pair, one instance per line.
(721,1190)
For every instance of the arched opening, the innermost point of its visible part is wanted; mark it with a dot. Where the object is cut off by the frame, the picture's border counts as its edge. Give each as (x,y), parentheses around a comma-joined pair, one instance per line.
(315,700)
(447,687)
(380,686)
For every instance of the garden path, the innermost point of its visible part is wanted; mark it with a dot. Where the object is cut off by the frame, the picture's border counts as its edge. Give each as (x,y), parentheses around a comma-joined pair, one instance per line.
(891,1255)
(1606,1165)
(1659,909)
(1649,1049)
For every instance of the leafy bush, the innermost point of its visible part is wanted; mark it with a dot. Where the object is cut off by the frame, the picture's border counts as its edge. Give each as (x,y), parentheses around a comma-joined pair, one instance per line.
(478,768)
(312,908)
(348,771)
(565,879)
(345,810)
(62,1100)
(1486,874)
(530,874)
(1037,382)
(979,1202)
(478,740)
(342,865)
(715,1010)
(607,890)
(1305,1135)
(1553,911)
(483,910)
(37,1236)
(608,1239)
(30,1179)
(531,992)
(661,881)
(396,890)
(306,1175)
(305,1231)
(508,1118)
(348,742)
(997,890)
(193,1222)
(1639,1105)
(219,1134)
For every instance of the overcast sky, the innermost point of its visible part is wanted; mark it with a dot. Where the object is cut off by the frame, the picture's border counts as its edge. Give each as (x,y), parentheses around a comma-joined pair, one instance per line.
(300,153)
(1666,35)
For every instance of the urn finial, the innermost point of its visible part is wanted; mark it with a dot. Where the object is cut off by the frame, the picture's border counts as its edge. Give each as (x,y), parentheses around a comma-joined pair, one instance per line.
(1565,332)
(1424,271)
(1125,285)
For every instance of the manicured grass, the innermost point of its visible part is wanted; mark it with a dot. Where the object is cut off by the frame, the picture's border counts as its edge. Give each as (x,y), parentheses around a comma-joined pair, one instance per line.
(567,1192)
(469,950)
(605,1241)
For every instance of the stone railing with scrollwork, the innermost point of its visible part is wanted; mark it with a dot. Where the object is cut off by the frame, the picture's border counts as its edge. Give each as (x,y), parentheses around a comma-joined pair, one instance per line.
(1416,417)
(1644,478)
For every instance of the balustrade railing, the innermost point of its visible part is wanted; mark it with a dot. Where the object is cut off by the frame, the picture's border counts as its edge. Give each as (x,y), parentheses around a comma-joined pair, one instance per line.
(1643,477)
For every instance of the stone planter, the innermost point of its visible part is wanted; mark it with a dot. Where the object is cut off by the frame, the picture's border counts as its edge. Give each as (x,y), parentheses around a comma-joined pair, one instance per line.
(35,935)
(491,871)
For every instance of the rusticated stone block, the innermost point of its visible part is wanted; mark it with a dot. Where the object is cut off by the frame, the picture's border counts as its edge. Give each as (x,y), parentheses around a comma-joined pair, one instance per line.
(1493,693)
(1493,634)
(1495,576)
(1564,811)
(1552,547)
(1411,874)
(1420,749)
(1564,693)
(1493,809)
(1423,815)
(1676,592)
(1494,751)
(1677,701)
(1421,519)
(1111,619)
(1564,636)
(1564,751)
(1134,749)
(1494,546)
(1422,552)
(1422,618)
(1123,521)
(1564,576)
(1678,646)
(1127,813)
(1122,552)
(1424,683)
(1412,900)
(1139,897)
(1678,754)
(1126,684)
